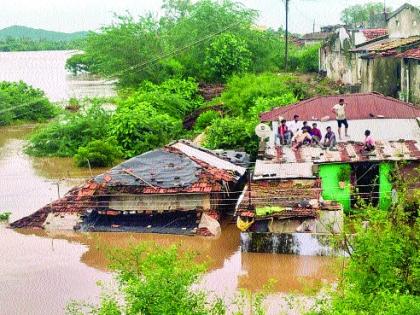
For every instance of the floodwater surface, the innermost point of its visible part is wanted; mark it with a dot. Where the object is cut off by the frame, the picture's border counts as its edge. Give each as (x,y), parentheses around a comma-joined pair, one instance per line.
(40,272)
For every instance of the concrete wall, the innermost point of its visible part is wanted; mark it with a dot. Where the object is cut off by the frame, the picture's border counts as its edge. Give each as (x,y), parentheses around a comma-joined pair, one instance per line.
(405,24)
(410,89)
(160,202)
(381,74)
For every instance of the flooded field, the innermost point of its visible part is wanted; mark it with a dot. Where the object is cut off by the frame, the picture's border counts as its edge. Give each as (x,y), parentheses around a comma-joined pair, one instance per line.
(41,272)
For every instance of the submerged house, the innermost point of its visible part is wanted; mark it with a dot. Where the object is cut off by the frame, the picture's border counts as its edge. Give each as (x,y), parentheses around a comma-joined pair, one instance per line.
(179,189)
(368,60)
(298,197)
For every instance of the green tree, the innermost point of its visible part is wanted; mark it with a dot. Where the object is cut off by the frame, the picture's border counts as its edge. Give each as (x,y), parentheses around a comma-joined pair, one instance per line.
(19,101)
(97,153)
(138,127)
(227,55)
(362,13)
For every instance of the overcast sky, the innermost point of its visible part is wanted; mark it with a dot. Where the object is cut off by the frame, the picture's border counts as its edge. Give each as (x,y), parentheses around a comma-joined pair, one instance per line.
(77,15)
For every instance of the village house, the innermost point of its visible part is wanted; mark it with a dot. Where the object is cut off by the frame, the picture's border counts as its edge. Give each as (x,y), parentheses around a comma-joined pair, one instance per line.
(297,197)
(179,189)
(410,75)
(368,60)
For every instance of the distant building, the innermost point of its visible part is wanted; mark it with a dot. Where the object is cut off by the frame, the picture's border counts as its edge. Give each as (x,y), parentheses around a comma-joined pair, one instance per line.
(179,189)
(369,60)
(410,75)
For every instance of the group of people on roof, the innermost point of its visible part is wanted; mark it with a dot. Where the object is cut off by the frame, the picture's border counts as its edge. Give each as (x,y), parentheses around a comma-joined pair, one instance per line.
(296,133)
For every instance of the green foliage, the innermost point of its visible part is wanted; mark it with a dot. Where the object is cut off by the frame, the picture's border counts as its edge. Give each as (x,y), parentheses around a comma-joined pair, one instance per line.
(344,174)
(65,135)
(80,63)
(18,31)
(27,44)
(382,275)
(4,216)
(231,133)
(242,91)
(19,101)
(307,58)
(205,119)
(154,280)
(97,153)
(227,55)
(362,13)
(139,127)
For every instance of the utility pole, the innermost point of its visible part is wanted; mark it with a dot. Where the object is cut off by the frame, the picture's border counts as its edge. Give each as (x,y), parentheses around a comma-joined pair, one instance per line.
(286,36)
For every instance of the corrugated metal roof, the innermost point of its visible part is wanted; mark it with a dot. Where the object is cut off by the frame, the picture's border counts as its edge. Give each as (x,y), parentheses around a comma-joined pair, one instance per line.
(270,169)
(413,53)
(207,157)
(359,106)
(351,152)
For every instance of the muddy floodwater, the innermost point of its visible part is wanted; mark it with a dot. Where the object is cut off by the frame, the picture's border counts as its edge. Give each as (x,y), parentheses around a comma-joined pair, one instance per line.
(41,272)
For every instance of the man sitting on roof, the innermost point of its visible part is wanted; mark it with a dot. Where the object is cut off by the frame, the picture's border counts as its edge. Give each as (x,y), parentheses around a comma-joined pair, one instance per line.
(369,144)
(284,133)
(295,125)
(302,137)
(315,134)
(330,140)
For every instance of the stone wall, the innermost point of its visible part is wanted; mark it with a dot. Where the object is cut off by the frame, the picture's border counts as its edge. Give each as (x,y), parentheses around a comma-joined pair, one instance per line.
(405,24)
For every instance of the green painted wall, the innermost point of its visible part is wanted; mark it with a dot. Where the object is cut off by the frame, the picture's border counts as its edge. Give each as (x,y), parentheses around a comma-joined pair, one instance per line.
(385,186)
(330,184)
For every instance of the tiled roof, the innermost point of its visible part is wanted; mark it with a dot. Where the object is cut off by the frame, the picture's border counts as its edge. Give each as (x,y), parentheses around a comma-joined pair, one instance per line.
(413,53)
(359,106)
(372,33)
(388,46)
(351,152)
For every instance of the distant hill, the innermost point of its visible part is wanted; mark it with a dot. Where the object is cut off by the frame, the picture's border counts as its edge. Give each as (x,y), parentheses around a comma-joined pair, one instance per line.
(17,31)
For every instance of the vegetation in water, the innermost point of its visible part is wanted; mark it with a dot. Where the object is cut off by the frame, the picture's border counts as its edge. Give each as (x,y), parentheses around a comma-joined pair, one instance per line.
(98,153)
(4,216)
(21,102)
(156,280)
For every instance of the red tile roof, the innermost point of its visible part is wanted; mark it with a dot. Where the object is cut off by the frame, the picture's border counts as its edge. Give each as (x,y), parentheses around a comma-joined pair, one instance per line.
(372,33)
(359,106)
(413,53)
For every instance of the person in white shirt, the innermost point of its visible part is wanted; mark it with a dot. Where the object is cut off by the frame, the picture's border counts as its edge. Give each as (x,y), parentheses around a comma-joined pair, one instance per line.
(295,125)
(340,112)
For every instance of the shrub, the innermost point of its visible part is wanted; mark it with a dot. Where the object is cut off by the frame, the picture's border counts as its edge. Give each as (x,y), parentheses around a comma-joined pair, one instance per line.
(138,128)
(97,153)
(64,136)
(231,133)
(227,55)
(205,119)
(19,101)
(242,92)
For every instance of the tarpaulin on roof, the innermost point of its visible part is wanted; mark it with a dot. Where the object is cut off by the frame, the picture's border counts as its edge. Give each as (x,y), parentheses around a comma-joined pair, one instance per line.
(157,168)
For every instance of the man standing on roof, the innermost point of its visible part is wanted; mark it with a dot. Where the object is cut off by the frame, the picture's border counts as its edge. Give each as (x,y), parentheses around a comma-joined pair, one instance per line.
(295,125)
(340,111)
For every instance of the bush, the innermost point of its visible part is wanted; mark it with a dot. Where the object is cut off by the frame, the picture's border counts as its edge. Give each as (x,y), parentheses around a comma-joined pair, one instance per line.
(242,92)
(138,128)
(19,101)
(232,133)
(227,55)
(205,119)
(97,153)
(64,136)
(307,58)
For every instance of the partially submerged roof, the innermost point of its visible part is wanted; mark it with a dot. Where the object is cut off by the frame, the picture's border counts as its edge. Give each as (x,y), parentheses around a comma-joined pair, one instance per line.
(178,167)
(359,106)
(413,53)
